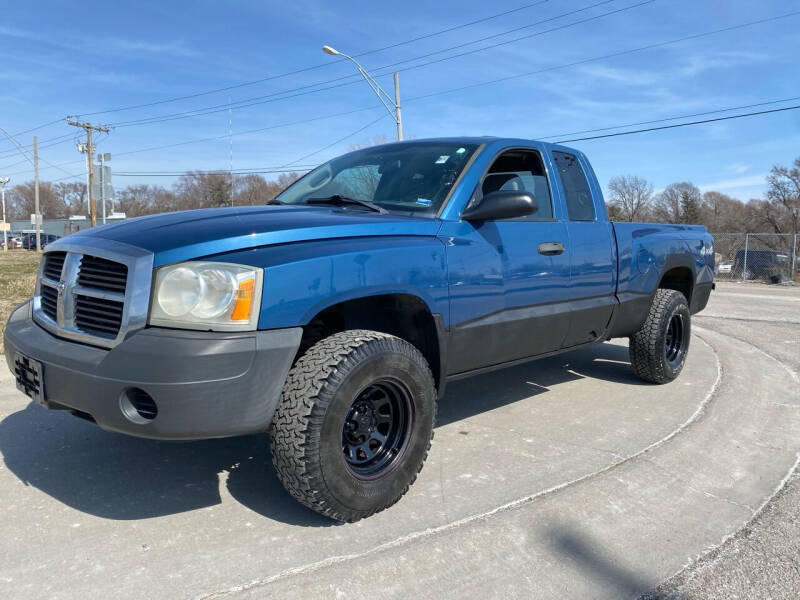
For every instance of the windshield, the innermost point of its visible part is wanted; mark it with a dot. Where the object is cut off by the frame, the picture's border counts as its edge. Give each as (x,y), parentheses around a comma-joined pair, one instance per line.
(408,178)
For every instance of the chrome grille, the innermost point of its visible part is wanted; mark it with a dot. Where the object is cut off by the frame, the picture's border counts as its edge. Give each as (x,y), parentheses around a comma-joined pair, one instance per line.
(49,301)
(98,316)
(102,274)
(53,264)
(95,291)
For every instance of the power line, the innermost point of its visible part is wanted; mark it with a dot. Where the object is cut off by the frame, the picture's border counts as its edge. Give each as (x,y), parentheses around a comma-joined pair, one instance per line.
(218,137)
(349,135)
(662,120)
(320,65)
(603,57)
(42,126)
(510,77)
(14,152)
(25,153)
(277,168)
(352,79)
(216,172)
(282,169)
(676,125)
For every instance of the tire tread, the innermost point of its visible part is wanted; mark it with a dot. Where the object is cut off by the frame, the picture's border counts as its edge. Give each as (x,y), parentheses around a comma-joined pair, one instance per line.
(646,359)
(301,411)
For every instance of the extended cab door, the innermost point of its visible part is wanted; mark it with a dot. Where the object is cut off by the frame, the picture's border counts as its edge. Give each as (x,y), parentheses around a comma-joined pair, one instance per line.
(509,278)
(592,249)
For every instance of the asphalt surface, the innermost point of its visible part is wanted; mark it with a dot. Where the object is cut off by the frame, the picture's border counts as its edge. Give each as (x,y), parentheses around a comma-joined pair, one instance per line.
(561,478)
(763,559)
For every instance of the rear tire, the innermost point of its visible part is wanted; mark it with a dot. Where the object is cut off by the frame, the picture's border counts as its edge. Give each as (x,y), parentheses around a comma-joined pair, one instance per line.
(658,349)
(354,424)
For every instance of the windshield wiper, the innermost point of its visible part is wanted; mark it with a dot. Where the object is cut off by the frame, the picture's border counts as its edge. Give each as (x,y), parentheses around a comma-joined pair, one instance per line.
(338,200)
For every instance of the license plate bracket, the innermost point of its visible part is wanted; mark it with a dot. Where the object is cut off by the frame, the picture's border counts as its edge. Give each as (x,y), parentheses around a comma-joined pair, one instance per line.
(28,374)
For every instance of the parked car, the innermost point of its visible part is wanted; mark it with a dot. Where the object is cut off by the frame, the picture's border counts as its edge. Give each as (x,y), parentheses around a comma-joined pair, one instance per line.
(334,319)
(768,265)
(725,267)
(29,240)
(13,242)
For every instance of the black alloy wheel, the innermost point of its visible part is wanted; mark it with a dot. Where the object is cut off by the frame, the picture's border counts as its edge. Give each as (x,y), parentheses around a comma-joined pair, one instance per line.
(354,423)
(673,343)
(376,428)
(658,349)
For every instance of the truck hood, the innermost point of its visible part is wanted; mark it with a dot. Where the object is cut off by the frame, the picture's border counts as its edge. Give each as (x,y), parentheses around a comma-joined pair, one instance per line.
(186,235)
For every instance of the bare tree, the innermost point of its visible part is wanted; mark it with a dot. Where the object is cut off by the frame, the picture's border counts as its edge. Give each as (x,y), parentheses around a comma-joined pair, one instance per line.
(631,197)
(21,201)
(197,189)
(71,197)
(678,203)
(783,194)
(378,140)
(721,213)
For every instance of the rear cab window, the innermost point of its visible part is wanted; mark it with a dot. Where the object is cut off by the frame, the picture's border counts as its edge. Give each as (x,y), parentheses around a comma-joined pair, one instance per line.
(577,195)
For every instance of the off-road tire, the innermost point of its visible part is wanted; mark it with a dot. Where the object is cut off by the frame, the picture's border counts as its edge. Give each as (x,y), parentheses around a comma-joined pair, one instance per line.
(306,435)
(649,348)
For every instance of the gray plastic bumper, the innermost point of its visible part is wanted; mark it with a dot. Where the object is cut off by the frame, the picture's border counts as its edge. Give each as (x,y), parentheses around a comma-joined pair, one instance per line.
(204,384)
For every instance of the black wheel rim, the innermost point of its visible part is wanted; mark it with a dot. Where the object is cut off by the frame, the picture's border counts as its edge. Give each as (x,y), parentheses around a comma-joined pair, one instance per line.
(376,429)
(675,346)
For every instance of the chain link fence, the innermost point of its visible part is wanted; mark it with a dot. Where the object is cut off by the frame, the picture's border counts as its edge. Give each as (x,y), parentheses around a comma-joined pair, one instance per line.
(764,257)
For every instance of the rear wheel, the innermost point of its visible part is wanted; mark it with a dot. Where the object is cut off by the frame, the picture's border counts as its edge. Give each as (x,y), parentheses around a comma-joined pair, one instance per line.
(354,424)
(658,349)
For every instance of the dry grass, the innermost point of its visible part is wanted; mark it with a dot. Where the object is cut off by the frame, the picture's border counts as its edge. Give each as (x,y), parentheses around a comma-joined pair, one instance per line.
(17,278)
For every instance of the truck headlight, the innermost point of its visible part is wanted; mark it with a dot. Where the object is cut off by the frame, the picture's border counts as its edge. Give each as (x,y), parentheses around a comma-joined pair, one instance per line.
(207,295)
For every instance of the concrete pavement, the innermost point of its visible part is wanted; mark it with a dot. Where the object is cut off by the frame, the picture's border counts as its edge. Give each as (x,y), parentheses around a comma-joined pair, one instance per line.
(566,477)
(762,560)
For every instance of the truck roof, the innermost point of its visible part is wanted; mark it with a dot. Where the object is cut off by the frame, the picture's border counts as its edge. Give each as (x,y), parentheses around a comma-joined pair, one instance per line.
(496,141)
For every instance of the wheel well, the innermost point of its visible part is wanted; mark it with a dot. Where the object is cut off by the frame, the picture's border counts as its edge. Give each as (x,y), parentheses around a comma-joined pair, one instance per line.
(679,279)
(402,315)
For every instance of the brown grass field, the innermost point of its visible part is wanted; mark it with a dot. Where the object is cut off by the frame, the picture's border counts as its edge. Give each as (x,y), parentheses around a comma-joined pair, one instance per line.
(17,277)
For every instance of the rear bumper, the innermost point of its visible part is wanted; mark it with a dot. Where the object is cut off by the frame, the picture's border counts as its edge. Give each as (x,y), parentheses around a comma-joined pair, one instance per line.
(204,384)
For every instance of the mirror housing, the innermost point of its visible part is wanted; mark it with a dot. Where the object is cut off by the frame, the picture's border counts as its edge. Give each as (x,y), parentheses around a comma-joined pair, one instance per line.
(502,204)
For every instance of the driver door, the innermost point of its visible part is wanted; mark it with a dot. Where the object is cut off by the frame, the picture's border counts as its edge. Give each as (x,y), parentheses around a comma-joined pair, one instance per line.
(508,278)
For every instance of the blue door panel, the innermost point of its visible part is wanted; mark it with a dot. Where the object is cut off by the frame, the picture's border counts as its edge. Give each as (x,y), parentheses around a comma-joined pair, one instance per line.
(507,301)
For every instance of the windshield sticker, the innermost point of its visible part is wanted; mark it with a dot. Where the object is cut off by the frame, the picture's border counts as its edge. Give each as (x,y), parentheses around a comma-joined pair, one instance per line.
(441,160)
(461,151)
(423,201)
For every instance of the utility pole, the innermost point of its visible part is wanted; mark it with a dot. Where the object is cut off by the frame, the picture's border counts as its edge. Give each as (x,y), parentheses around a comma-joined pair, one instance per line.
(398,113)
(3,182)
(230,147)
(88,148)
(102,158)
(36,194)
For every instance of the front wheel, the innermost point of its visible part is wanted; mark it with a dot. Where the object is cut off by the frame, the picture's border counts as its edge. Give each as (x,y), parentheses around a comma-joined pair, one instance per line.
(658,349)
(354,424)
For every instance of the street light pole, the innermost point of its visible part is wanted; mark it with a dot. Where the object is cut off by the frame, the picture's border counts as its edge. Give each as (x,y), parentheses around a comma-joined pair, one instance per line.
(391,105)
(3,182)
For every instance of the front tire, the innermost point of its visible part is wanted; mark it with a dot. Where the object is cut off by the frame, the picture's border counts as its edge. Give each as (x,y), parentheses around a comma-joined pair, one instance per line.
(658,349)
(354,424)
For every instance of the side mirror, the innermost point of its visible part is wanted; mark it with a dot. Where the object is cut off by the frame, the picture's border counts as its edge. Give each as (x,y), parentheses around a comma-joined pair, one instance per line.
(502,204)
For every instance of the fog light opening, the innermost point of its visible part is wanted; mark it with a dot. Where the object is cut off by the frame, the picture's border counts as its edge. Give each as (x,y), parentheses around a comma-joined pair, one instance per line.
(138,406)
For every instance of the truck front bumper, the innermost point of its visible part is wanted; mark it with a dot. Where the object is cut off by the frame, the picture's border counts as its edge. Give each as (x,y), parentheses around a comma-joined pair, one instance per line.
(160,383)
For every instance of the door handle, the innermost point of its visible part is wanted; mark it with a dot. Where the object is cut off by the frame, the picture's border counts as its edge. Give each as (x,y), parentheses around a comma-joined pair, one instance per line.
(551,248)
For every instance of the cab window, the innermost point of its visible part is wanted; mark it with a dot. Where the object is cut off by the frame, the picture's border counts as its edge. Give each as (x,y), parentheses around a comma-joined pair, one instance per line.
(520,170)
(576,188)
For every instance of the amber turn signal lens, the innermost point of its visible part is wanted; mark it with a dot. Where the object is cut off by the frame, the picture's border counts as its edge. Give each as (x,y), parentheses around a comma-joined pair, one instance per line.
(244,300)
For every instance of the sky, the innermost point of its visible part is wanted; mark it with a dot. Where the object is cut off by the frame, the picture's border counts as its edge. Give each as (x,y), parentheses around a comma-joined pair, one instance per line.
(92,59)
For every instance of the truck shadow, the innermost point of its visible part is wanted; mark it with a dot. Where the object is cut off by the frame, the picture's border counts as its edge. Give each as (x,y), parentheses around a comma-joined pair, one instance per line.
(125,478)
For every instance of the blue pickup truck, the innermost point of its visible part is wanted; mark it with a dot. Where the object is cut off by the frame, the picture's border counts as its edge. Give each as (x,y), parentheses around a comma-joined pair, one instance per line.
(333,318)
